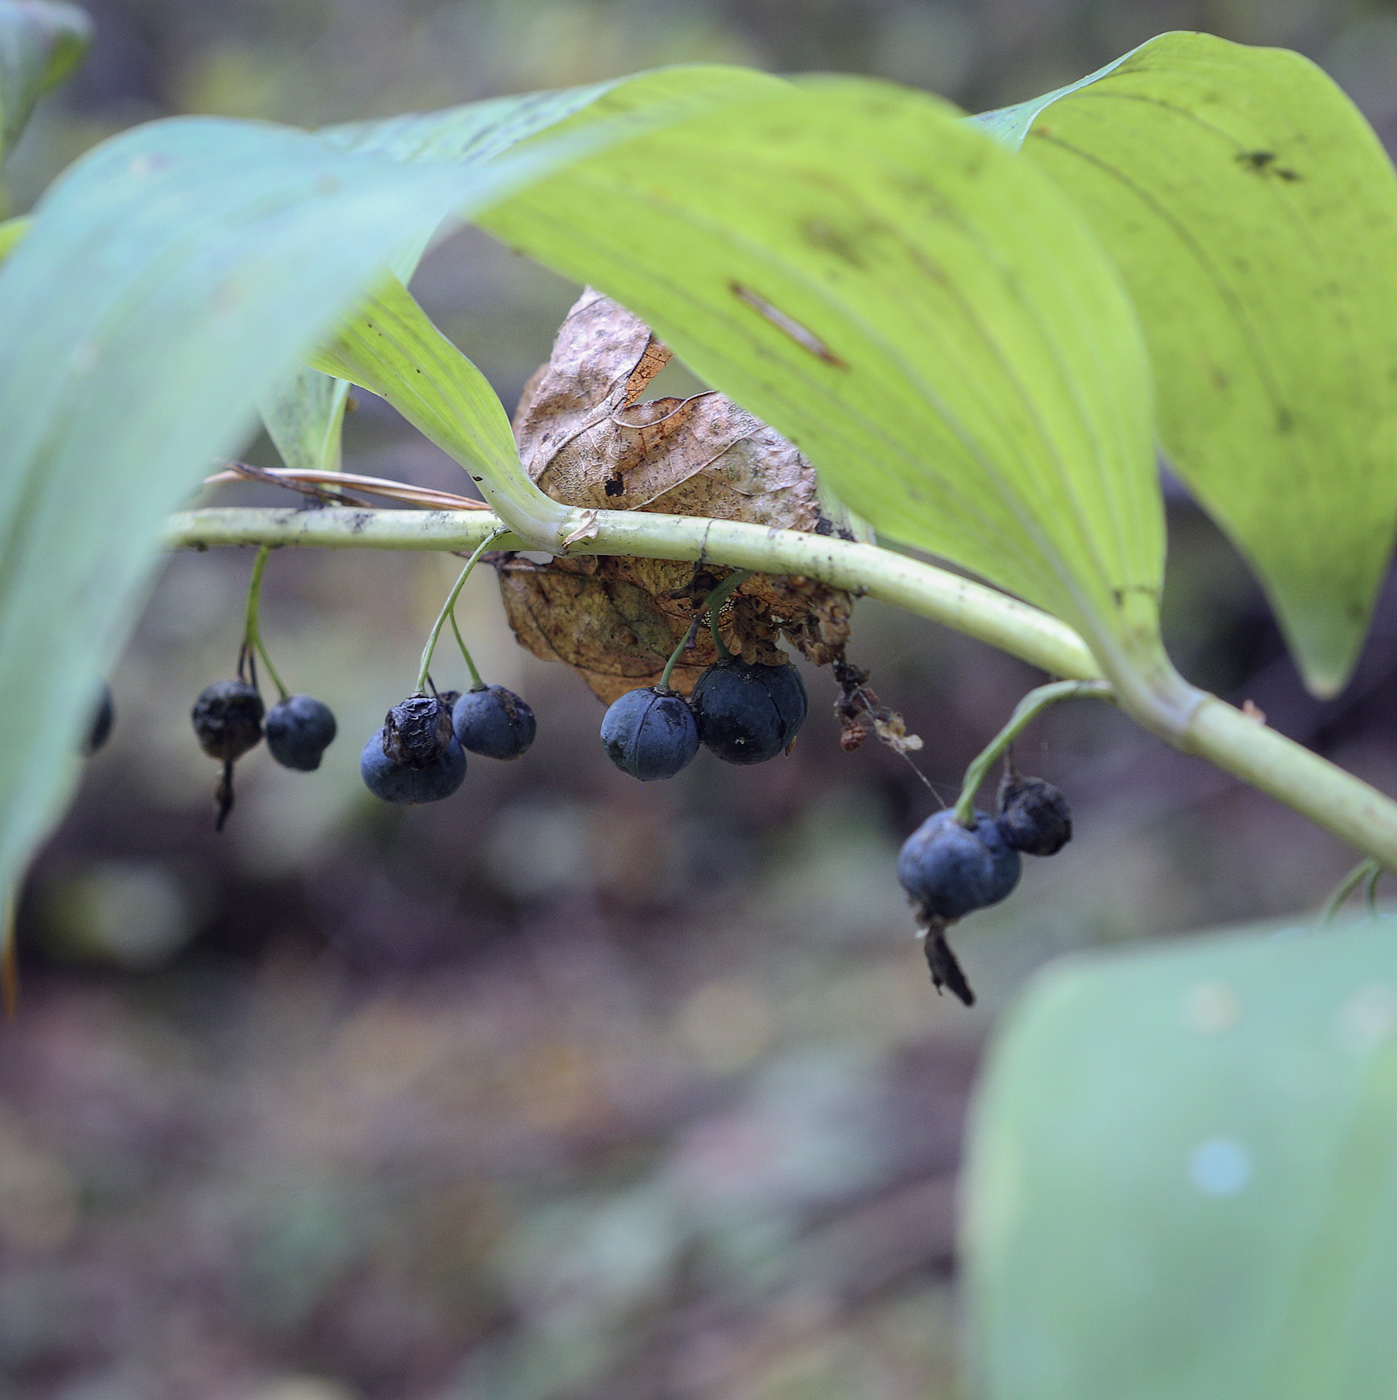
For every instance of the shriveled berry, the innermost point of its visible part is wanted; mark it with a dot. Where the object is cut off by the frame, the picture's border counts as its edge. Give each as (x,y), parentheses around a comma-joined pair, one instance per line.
(103,717)
(748,713)
(399,782)
(650,733)
(1033,816)
(494,721)
(416,731)
(228,719)
(949,870)
(299,730)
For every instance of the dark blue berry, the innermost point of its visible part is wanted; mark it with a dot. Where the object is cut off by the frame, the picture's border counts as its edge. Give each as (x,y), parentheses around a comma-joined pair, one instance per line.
(950,870)
(228,719)
(103,717)
(650,733)
(494,721)
(398,782)
(747,713)
(1033,816)
(299,730)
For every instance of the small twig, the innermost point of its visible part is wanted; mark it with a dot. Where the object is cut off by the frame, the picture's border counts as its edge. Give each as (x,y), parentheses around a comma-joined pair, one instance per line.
(245,471)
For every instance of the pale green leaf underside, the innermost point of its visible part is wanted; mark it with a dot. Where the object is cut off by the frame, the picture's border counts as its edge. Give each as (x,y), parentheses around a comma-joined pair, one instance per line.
(1182,1178)
(41,42)
(923,314)
(391,348)
(482,131)
(1253,213)
(168,281)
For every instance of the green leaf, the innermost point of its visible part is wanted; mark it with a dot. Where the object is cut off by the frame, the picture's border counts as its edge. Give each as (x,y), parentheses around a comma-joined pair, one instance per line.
(168,281)
(926,316)
(41,42)
(303,416)
(1182,1177)
(391,348)
(481,131)
(1253,213)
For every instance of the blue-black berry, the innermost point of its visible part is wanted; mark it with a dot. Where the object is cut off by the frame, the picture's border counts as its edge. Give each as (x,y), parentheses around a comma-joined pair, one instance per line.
(748,713)
(948,870)
(1033,816)
(398,782)
(299,730)
(415,756)
(227,718)
(103,717)
(494,721)
(650,733)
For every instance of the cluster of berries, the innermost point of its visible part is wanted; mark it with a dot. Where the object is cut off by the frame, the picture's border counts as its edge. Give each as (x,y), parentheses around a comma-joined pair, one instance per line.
(420,753)
(950,870)
(230,720)
(742,712)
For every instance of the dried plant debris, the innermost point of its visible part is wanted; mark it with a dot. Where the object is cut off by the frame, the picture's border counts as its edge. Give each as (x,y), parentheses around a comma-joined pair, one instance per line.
(861,713)
(587,438)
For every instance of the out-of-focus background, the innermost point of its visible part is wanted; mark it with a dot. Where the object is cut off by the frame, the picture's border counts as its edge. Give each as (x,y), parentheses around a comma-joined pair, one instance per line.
(567,1087)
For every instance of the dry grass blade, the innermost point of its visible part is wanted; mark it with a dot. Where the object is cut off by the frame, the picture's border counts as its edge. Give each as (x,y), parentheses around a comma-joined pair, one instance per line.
(300,478)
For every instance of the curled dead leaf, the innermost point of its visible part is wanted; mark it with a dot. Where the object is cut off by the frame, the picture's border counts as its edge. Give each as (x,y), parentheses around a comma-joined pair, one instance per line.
(588,439)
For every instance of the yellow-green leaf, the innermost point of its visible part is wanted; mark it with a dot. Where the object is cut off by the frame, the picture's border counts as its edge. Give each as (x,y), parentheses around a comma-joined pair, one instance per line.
(1253,213)
(926,316)
(41,42)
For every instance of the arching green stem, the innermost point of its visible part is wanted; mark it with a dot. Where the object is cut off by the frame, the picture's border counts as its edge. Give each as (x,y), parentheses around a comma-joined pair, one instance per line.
(1029,708)
(446,611)
(476,682)
(1189,719)
(685,642)
(252,635)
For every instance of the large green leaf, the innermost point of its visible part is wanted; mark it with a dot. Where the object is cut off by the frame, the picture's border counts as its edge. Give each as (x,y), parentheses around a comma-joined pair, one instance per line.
(167,281)
(927,317)
(41,42)
(1253,213)
(391,348)
(1182,1179)
(306,409)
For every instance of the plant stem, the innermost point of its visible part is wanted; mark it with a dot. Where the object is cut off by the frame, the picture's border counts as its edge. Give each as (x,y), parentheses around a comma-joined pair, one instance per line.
(1028,709)
(252,635)
(476,682)
(1367,870)
(446,611)
(1187,718)
(685,642)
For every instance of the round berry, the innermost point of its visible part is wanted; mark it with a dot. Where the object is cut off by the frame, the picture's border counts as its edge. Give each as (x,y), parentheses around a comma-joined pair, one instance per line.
(494,721)
(949,869)
(417,730)
(299,730)
(1033,816)
(400,782)
(650,733)
(228,719)
(103,717)
(747,713)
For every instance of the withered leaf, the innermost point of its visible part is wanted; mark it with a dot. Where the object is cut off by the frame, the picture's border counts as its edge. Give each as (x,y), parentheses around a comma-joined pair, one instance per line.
(587,438)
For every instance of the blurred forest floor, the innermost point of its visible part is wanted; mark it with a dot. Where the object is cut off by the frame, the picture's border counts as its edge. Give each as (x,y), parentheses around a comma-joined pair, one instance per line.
(566,1088)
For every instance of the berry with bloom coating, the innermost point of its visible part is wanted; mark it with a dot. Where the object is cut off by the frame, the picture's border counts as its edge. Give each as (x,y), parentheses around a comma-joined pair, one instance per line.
(299,730)
(494,721)
(949,870)
(228,719)
(399,782)
(748,713)
(1033,816)
(650,733)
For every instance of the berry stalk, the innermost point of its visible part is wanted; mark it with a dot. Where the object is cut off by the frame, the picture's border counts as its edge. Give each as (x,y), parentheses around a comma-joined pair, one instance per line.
(447,611)
(1028,709)
(252,635)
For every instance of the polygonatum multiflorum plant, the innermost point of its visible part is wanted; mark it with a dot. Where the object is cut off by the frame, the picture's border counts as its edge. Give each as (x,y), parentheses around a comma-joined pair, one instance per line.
(971,337)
